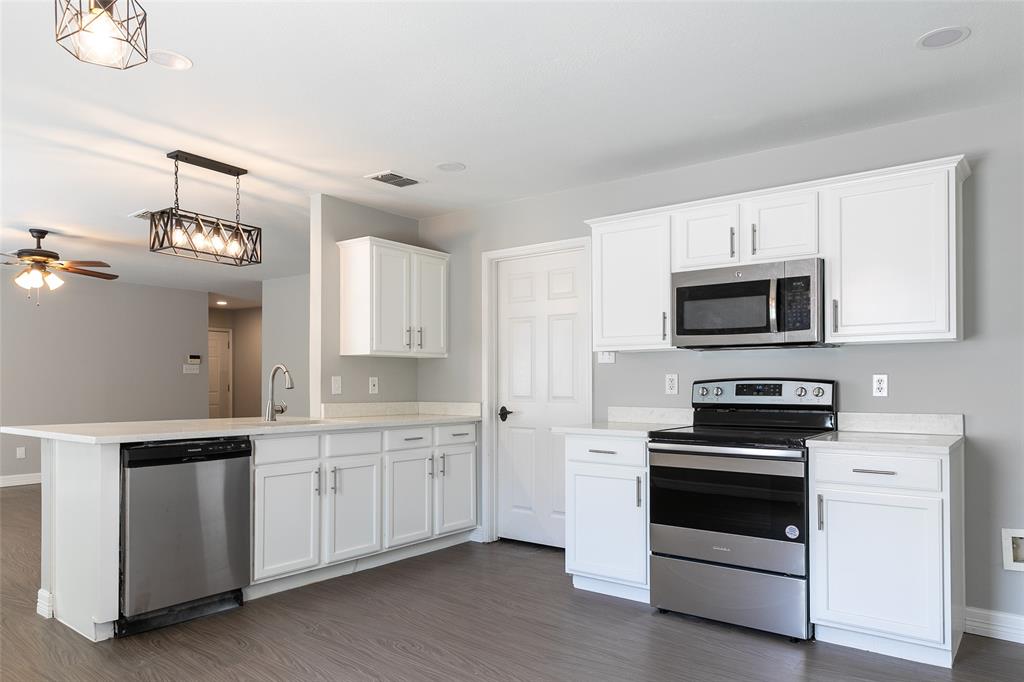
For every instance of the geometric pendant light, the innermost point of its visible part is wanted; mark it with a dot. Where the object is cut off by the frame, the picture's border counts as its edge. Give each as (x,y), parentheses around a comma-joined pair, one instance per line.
(105,32)
(177,232)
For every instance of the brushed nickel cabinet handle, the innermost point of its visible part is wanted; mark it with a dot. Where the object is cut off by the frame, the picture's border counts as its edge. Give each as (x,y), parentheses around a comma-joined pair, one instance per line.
(753,239)
(880,472)
(414,438)
(603,452)
(732,242)
(459,435)
(664,326)
(431,472)
(334,479)
(638,492)
(316,481)
(421,336)
(821,513)
(835,315)
(442,464)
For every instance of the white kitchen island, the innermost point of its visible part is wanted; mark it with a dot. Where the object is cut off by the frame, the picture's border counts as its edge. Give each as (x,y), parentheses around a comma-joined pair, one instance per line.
(415,490)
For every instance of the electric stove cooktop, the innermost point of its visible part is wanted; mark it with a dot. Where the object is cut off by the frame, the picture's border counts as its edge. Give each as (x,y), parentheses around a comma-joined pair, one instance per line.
(744,436)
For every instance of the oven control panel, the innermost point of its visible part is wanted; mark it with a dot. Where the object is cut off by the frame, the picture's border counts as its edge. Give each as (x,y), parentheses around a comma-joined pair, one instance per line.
(764,392)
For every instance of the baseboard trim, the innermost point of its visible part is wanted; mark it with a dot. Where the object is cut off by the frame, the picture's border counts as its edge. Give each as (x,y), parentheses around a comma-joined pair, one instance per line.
(20,479)
(995,624)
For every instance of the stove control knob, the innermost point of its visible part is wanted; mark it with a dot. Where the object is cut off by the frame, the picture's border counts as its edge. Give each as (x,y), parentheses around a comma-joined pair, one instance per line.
(818,392)
(718,390)
(703,391)
(801,391)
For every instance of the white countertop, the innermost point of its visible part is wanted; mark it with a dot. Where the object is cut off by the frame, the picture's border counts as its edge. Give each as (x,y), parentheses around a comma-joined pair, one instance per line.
(624,429)
(128,432)
(891,443)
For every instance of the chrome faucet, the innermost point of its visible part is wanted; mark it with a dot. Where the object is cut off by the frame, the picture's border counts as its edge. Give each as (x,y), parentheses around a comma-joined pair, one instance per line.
(273,409)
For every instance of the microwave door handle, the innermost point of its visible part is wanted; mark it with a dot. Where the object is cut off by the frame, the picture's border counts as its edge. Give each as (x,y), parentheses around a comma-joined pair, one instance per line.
(773,307)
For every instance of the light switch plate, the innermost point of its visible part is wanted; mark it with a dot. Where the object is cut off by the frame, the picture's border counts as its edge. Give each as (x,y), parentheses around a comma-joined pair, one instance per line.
(1013,549)
(335,385)
(19,452)
(880,385)
(671,384)
(190,369)
(374,386)
(606,357)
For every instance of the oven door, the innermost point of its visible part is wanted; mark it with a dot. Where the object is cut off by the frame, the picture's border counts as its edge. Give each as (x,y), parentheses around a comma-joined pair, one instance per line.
(729,510)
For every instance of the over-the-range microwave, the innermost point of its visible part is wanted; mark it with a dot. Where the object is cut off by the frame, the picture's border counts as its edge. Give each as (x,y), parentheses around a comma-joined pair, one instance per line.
(764,304)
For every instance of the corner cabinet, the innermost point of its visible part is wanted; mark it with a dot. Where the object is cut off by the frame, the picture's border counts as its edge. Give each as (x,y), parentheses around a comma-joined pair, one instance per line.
(394,299)
(886,550)
(631,293)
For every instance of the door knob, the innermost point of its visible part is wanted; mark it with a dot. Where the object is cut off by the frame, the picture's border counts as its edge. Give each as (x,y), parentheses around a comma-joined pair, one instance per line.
(504,412)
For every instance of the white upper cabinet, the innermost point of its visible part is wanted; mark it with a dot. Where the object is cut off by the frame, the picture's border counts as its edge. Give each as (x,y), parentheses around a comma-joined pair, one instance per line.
(394,299)
(777,226)
(706,235)
(631,294)
(891,269)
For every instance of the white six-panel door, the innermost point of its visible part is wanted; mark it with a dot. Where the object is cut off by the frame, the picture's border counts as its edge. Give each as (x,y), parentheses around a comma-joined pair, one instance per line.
(287,520)
(392,272)
(544,379)
(352,513)
(219,366)
(430,275)
(456,489)
(409,478)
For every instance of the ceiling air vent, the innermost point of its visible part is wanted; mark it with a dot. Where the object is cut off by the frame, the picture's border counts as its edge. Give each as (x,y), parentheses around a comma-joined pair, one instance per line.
(393,179)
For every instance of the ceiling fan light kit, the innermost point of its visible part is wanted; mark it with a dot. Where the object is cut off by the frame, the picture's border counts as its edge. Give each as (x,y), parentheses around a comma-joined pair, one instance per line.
(40,266)
(188,234)
(106,32)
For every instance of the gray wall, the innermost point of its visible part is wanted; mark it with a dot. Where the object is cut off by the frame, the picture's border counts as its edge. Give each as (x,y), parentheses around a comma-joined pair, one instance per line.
(245,325)
(981,377)
(97,351)
(286,339)
(333,220)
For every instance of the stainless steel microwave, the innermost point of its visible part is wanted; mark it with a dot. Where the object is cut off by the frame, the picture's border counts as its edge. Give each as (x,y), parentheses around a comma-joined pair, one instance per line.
(764,304)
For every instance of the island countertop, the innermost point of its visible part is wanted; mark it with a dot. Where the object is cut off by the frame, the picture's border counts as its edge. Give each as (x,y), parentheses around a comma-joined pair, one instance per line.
(130,432)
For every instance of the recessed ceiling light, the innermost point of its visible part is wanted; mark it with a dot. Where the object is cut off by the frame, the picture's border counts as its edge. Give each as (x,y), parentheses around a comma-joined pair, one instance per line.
(451,167)
(222,302)
(943,37)
(170,60)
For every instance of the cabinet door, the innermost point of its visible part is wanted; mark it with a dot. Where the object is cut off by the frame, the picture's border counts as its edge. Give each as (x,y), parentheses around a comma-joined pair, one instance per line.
(606,521)
(780,226)
(392,284)
(456,489)
(352,513)
(876,563)
(287,507)
(632,284)
(705,236)
(407,496)
(430,305)
(891,268)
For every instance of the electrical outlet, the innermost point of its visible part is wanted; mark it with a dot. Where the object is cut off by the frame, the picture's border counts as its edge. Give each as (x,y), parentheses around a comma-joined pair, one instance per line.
(374,386)
(335,385)
(671,384)
(606,357)
(880,385)
(19,452)
(1013,549)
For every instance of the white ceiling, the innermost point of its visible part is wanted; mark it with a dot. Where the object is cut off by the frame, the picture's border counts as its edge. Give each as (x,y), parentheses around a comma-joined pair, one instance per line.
(534,97)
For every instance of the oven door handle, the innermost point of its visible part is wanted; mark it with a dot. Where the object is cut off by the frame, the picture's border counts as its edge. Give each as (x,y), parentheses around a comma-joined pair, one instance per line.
(725,450)
(765,467)
(773,305)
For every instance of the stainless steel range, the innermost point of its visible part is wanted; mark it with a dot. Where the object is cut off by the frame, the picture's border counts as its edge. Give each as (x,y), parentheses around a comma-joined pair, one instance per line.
(728,503)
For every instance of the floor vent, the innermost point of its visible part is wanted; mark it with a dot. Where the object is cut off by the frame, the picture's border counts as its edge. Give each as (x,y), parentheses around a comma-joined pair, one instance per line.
(393,179)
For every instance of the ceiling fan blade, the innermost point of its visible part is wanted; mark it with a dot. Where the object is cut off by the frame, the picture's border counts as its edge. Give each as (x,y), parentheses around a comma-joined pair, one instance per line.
(83,263)
(89,273)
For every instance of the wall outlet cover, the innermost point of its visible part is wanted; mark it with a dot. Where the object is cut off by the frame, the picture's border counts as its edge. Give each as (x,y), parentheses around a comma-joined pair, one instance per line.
(374,386)
(671,384)
(19,452)
(335,385)
(606,357)
(1013,549)
(880,385)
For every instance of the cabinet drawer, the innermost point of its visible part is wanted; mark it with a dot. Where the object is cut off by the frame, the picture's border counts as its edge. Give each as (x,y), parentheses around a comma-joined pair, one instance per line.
(406,439)
(340,444)
(884,471)
(288,449)
(455,434)
(626,451)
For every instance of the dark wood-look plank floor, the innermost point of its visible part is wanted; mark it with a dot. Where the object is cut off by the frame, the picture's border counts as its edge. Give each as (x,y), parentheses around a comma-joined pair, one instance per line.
(502,611)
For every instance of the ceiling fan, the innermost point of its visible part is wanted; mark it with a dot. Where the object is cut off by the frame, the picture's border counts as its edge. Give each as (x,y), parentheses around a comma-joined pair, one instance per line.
(41,266)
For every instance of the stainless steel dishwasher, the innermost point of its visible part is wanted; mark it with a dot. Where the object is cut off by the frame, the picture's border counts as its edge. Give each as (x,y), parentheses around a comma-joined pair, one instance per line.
(185,534)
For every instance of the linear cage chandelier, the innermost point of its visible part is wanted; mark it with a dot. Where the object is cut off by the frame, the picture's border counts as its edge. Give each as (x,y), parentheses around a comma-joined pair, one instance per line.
(105,32)
(188,234)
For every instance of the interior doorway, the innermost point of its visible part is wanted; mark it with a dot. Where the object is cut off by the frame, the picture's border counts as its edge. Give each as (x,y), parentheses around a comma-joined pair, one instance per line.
(234,357)
(220,365)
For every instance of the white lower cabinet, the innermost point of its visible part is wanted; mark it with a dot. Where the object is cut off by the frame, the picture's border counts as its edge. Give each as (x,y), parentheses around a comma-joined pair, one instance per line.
(352,507)
(287,508)
(408,495)
(455,501)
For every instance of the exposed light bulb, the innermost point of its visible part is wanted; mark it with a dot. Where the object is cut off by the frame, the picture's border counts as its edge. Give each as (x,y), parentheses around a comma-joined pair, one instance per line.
(199,239)
(178,237)
(24,278)
(234,248)
(100,42)
(218,242)
(53,280)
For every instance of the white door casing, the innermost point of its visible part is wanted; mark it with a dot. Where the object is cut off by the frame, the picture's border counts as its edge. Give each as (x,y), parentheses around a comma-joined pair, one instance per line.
(543,377)
(353,508)
(220,366)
